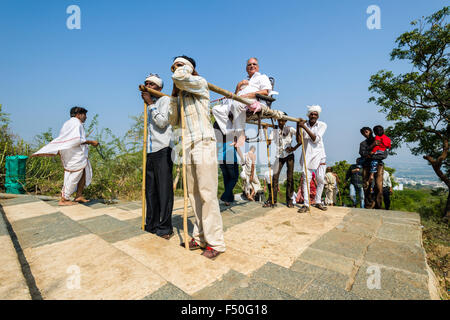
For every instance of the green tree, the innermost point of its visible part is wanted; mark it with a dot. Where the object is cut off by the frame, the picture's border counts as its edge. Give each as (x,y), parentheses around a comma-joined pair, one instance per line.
(418,101)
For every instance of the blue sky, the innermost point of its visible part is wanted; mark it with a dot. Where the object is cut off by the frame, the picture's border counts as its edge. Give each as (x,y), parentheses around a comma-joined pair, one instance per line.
(320,52)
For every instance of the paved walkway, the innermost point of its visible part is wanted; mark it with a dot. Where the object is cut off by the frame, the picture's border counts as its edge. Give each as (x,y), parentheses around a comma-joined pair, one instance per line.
(98,251)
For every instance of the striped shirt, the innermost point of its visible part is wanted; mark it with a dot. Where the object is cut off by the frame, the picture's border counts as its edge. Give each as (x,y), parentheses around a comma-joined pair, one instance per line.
(196,106)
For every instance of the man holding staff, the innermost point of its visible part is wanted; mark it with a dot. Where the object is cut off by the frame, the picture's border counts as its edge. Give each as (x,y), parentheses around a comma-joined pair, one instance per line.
(159,165)
(313,131)
(200,154)
(283,138)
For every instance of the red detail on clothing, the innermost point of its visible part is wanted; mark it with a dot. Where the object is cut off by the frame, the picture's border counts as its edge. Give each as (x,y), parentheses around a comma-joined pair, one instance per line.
(385,143)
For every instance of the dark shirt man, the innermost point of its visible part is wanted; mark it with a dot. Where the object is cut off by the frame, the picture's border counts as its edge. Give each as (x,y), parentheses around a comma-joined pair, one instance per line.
(230,169)
(354,174)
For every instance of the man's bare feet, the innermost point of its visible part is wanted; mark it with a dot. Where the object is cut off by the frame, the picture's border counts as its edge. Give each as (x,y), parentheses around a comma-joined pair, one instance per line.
(81,200)
(64,202)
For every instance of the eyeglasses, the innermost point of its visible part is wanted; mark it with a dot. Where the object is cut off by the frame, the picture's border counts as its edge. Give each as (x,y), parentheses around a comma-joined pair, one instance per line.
(252,64)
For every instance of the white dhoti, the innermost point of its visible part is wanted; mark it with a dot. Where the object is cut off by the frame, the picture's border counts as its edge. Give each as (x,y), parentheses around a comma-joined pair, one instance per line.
(320,178)
(74,155)
(72,178)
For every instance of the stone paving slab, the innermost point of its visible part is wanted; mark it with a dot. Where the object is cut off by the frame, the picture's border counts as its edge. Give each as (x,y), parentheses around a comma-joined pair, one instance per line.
(259,291)
(46,229)
(223,288)
(399,255)
(283,279)
(19,200)
(187,270)
(104,272)
(271,253)
(27,210)
(80,212)
(346,244)
(328,260)
(394,284)
(168,292)
(321,290)
(400,232)
(12,281)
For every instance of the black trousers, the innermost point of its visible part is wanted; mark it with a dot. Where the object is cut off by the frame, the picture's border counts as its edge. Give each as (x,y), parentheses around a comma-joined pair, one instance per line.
(159,192)
(387,197)
(230,174)
(289,160)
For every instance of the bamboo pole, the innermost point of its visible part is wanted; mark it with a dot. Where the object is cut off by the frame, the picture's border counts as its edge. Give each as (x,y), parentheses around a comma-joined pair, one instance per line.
(144,166)
(221,91)
(306,170)
(268,157)
(183,127)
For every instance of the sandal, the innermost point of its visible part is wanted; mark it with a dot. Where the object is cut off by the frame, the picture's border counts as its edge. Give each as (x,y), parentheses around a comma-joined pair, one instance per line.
(303,209)
(320,206)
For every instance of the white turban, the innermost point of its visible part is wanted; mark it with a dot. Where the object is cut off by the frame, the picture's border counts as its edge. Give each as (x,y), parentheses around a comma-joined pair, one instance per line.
(156,80)
(186,63)
(314,108)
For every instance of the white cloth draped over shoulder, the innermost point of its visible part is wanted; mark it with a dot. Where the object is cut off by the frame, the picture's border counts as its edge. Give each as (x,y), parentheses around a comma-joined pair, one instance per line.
(74,154)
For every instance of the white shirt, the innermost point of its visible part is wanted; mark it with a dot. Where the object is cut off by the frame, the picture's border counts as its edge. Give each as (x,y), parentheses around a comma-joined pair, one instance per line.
(283,140)
(386,180)
(314,150)
(159,129)
(257,82)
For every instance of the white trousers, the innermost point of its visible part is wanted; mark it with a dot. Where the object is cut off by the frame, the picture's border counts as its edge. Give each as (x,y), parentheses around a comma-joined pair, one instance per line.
(221,112)
(320,178)
(71,180)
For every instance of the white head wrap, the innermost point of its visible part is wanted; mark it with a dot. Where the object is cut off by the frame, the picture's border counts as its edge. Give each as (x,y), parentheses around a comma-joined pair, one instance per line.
(156,80)
(315,108)
(186,63)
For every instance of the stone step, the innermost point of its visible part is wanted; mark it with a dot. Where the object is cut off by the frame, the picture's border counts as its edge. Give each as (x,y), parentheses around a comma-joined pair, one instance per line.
(12,281)
(68,261)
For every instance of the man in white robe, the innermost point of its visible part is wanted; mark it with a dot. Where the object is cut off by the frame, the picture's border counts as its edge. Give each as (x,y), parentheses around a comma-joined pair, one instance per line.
(72,146)
(256,83)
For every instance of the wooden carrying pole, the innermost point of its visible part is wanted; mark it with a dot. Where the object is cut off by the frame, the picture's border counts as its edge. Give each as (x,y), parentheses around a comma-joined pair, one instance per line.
(144,166)
(183,127)
(218,90)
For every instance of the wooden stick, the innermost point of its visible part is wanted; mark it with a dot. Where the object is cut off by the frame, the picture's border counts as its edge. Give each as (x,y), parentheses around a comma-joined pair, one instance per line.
(221,91)
(144,166)
(183,127)
(306,171)
(268,157)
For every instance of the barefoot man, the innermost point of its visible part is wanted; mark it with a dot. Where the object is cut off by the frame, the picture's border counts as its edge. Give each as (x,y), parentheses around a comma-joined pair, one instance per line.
(72,146)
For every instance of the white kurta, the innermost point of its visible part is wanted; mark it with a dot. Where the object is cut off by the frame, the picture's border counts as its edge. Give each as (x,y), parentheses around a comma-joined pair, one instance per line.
(314,150)
(256,83)
(74,154)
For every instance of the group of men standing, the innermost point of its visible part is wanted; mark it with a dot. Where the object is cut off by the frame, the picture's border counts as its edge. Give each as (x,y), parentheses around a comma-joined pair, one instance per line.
(190,92)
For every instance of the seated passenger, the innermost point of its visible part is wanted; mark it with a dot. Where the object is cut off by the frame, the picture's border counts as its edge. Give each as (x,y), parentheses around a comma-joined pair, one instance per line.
(230,115)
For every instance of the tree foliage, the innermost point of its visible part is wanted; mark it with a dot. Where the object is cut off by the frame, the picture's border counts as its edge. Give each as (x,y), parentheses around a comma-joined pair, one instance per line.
(418,101)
